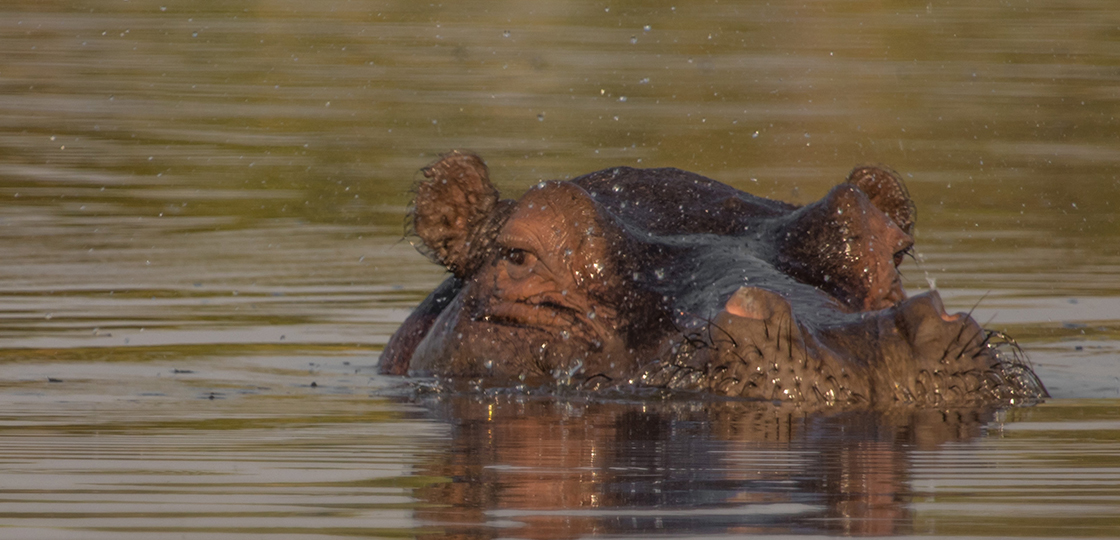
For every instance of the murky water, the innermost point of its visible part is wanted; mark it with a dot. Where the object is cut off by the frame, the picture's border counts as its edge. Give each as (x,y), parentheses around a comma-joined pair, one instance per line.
(201,216)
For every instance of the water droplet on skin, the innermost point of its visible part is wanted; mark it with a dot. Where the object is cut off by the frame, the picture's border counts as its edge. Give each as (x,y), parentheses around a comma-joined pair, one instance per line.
(647,28)
(565,335)
(633,39)
(591,315)
(506,33)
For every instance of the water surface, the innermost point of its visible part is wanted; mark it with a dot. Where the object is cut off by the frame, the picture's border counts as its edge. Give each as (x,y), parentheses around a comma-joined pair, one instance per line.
(202,219)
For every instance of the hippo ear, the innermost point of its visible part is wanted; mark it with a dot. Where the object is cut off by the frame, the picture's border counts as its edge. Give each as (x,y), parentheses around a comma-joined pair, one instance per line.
(457,212)
(887,192)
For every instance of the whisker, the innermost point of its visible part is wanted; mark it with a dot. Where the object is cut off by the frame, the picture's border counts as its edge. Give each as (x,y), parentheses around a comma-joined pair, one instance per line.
(957,339)
(977,304)
(789,337)
(950,346)
(963,348)
(711,324)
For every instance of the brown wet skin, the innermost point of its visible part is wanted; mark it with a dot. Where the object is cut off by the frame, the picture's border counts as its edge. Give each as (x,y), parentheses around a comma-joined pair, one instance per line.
(661,277)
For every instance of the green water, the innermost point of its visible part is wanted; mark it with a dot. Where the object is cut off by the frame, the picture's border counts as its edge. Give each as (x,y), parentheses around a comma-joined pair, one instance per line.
(201,221)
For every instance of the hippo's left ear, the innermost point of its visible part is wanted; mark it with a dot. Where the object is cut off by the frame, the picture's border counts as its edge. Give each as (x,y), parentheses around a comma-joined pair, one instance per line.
(887,192)
(457,212)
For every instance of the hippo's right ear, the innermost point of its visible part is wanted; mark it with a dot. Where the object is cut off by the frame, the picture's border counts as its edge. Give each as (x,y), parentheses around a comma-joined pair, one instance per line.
(457,212)
(887,192)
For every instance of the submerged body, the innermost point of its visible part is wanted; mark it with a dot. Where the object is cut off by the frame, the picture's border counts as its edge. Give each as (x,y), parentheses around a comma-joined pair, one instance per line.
(666,278)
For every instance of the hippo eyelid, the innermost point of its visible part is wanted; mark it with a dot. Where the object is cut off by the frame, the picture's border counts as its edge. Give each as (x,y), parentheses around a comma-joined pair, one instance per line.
(516,246)
(517,235)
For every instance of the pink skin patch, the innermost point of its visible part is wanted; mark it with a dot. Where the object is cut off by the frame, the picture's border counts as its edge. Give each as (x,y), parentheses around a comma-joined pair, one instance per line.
(745,303)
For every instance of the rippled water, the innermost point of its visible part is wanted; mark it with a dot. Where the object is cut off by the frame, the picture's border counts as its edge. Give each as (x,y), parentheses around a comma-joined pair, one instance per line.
(201,216)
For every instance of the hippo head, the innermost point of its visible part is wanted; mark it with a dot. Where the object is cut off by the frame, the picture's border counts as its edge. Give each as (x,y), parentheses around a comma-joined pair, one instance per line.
(662,277)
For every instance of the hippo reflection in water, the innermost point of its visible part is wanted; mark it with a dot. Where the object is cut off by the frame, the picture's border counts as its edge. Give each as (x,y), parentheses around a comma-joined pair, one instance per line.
(665,278)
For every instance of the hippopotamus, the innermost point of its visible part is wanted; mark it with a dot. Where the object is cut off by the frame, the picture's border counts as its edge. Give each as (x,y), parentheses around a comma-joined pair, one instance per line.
(664,278)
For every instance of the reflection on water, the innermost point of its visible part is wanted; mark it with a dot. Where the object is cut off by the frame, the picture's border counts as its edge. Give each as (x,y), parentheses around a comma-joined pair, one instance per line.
(564,469)
(201,210)
(279,456)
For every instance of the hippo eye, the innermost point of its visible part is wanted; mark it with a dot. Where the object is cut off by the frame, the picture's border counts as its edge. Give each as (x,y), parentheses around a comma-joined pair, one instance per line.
(519,257)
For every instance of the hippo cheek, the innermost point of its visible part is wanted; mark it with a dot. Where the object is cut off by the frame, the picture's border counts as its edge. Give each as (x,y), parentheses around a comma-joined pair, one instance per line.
(761,351)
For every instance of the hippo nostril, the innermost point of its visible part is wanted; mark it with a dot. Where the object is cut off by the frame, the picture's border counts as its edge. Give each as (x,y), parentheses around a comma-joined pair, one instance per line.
(955,317)
(923,306)
(755,303)
(922,317)
(933,298)
(929,330)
